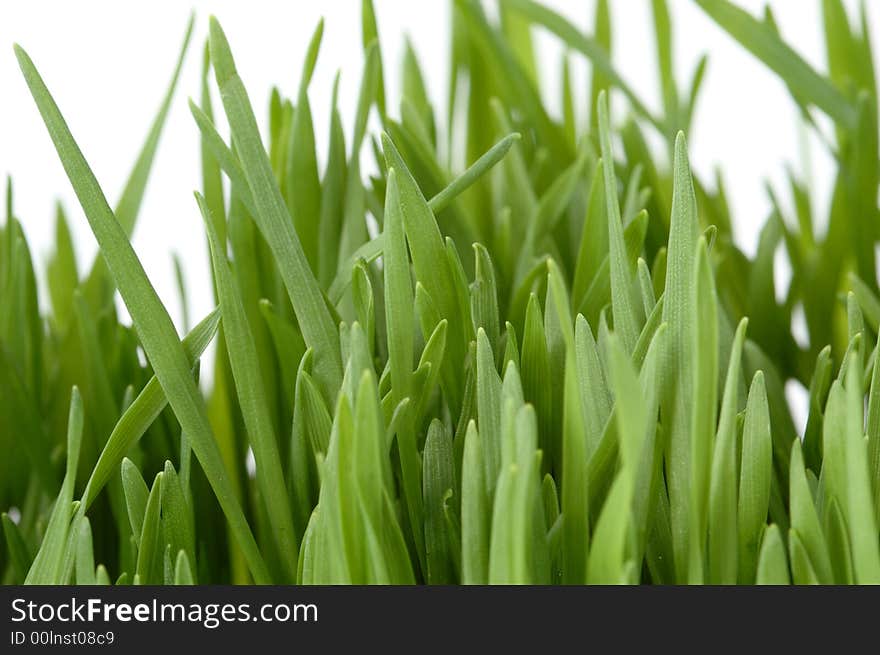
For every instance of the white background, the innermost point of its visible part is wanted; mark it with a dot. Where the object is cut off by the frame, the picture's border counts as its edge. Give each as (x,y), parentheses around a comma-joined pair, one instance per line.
(107,64)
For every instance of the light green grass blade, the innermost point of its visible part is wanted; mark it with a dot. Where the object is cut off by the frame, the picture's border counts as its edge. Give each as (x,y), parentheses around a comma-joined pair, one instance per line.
(370,37)
(868,300)
(274,222)
(594,238)
(535,373)
(399,320)
(756,469)
(772,561)
(354,229)
(859,502)
(648,478)
(182,571)
(678,313)
(151,320)
(873,429)
(48,565)
(428,251)
(303,184)
(437,478)
(84,571)
(472,174)
(591,378)
(399,299)
(665,65)
(332,195)
(607,556)
(484,297)
(489,412)
(805,520)
(61,272)
(722,537)
(136,495)
(252,395)
(212,181)
(224,156)
(704,404)
(475,512)
(143,411)
(575,500)
(150,541)
(621,279)
(177,518)
(839,548)
(802,572)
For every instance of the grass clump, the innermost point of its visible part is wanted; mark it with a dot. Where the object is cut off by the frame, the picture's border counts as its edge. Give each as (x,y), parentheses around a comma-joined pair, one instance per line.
(551,366)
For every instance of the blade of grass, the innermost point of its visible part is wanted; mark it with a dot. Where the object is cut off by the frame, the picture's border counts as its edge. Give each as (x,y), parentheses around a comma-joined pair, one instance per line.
(703,406)
(772,561)
(861,513)
(723,491)
(251,392)
(48,565)
(621,281)
(274,222)
(151,320)
(129,204)
(141,413)
(678,313)
(399,324)
(755,472)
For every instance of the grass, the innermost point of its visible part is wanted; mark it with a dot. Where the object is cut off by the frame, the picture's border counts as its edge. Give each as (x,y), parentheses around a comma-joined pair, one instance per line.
(552,365)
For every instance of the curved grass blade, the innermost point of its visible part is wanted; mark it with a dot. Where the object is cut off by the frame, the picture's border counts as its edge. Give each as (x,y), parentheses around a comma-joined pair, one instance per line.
(273,219)
(678,313)
(475,512)
(621,280)
(48,565)
(150,541)
(703,406)
(859,502)
(723,486)
(141,413)
(802,572)
(84,572)
(805,520)
(473,173)
(756,470)
(154,326)
(772,561)
(575,501)
(251,391)
(437,479)
(136,495)
(303,185)
(129,204)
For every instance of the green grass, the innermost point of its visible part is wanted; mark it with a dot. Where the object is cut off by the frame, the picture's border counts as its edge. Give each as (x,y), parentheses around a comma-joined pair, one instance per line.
(552,365)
